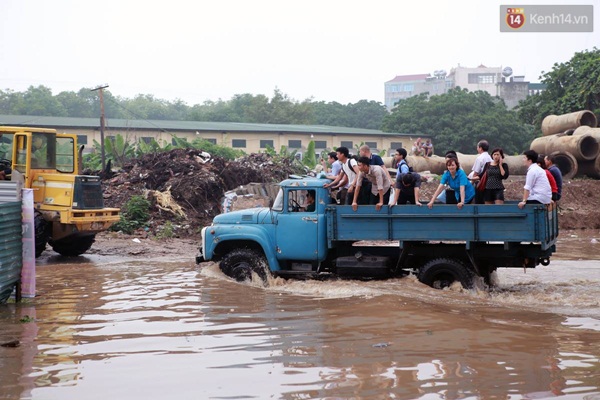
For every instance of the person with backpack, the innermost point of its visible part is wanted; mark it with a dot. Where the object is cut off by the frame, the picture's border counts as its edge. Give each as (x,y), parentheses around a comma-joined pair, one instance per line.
(400,157)
(346,181)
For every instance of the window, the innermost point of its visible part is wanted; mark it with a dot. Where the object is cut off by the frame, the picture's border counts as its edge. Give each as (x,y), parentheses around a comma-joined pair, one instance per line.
(238,143)
(146,139)
(82,139)
(295,144)
(372,145)
(396,145)
(482,78)
(266,143)
(346,143)
(320,144)
(409,87)
(301,200)
(210,140)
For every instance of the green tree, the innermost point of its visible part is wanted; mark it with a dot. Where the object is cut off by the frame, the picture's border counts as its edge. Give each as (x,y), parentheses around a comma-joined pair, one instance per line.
(458,119)
(38,101)
(570,86)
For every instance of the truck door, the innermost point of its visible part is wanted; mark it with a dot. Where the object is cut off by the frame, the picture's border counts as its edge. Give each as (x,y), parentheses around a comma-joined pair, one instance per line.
(297,227)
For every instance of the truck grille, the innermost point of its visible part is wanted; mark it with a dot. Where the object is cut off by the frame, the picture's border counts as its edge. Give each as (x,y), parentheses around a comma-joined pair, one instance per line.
(87,193)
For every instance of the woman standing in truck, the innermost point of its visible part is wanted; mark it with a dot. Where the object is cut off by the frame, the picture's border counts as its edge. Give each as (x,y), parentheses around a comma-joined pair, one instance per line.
(456,178)
(497,171)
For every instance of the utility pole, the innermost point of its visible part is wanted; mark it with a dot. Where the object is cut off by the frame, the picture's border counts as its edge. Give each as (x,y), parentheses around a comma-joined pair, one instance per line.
(99,89)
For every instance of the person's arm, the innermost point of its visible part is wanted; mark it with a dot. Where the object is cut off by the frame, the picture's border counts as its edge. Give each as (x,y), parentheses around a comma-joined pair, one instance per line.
(335,180)
(462,197)
(503,170)
(396,196)
(417,200)
(378,205)
(525,197)
(435,195)
(355,197)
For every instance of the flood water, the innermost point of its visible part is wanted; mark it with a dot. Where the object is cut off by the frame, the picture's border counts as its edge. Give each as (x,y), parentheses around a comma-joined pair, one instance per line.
(109,328)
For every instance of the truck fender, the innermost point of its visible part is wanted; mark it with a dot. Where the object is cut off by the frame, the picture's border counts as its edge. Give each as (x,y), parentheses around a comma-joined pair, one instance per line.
(216,236)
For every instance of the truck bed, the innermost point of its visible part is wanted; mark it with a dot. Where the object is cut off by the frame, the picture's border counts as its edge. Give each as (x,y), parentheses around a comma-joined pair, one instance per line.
(474,223)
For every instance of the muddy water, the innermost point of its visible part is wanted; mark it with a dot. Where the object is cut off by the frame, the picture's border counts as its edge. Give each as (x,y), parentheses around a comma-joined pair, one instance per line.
(109,328)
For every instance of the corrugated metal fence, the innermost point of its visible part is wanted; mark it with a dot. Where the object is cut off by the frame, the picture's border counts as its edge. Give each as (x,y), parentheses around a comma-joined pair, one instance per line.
(11,245)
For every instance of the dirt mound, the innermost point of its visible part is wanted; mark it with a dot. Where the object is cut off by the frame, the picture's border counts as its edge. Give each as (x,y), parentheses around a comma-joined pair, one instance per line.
(189,180)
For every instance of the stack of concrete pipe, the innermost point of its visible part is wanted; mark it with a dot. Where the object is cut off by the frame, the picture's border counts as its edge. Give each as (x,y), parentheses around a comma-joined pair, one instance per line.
(574,141)
(437,165)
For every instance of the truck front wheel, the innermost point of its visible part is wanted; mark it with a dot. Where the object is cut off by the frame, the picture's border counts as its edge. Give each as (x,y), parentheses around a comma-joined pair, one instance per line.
(72,247)
(240,263)
(42,233)
(443,272)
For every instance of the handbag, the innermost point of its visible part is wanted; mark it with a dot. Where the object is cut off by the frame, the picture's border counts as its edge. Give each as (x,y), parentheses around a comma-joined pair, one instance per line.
(482,180)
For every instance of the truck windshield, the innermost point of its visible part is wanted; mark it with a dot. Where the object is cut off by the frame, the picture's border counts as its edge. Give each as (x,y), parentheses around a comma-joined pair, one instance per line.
(278,203)
(43,150)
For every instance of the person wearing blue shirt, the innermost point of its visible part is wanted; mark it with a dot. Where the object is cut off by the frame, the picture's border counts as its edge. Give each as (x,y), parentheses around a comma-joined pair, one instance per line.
(456,178)
(400,157)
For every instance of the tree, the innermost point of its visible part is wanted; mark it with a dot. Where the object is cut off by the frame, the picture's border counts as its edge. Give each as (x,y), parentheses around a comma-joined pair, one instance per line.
(458,119)
(570,87)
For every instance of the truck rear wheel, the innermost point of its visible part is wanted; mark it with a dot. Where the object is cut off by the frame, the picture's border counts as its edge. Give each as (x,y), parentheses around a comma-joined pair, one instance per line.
(42,233)
(72,247)
(443,272)
(240,263)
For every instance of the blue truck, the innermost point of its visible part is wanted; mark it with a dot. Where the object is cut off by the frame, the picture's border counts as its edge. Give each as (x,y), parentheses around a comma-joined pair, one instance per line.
(441,245)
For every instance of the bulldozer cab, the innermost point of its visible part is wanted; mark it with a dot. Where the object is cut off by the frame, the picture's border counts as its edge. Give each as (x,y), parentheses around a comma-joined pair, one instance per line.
(38,151)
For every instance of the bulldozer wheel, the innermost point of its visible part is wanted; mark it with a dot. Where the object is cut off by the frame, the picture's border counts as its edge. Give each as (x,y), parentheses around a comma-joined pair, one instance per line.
(42,233)
(73,247)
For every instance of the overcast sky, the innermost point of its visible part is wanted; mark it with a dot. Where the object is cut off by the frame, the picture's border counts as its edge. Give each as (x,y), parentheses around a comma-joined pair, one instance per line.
(201,50)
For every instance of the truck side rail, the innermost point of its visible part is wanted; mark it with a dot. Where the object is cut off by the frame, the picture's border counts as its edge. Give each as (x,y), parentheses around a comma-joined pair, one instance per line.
(473,223)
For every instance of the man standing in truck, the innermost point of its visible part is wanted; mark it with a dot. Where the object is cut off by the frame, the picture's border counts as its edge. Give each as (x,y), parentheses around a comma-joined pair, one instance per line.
(346,181)
(380,183)
(478,167)
(537,188)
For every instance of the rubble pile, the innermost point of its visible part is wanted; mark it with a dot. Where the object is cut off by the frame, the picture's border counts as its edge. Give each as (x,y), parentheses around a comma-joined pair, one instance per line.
(186,186)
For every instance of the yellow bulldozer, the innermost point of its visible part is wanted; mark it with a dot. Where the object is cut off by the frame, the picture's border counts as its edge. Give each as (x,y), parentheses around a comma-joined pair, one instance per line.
(69,207)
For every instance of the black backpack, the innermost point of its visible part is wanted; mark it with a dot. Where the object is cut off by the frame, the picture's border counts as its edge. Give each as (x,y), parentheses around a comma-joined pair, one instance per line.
(410,169)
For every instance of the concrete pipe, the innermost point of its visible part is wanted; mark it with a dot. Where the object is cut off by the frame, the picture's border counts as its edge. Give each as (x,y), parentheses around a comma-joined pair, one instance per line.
(433,164)
(559,123)
(567,164)
(582,147)
(586,130)
(591,169)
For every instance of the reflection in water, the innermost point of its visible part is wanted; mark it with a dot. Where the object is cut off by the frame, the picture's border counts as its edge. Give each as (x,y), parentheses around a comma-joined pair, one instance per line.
(146,330)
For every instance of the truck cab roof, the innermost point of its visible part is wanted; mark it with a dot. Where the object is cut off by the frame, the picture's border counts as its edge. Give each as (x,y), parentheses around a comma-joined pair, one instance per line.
(303,181)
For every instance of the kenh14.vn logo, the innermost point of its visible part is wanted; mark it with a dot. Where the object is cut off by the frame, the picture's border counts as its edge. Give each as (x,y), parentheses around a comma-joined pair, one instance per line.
(515,17)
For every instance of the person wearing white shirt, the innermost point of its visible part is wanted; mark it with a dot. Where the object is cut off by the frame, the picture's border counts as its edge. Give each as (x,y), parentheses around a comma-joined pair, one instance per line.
(478,167)
(537,188)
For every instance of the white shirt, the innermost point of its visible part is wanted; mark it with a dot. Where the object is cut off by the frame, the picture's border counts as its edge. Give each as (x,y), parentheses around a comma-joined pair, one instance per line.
(349,170)
(537,183)
(479,164)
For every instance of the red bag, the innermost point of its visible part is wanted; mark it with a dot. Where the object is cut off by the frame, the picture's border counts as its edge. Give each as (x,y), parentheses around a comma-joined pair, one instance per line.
(483,179)
(482,182)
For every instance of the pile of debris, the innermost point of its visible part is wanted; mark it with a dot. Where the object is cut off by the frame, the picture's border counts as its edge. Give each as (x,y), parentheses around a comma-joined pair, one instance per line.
(187,186)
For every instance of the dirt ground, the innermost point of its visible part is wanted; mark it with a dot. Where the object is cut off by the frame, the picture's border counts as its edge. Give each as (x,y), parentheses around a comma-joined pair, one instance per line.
(187,190)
